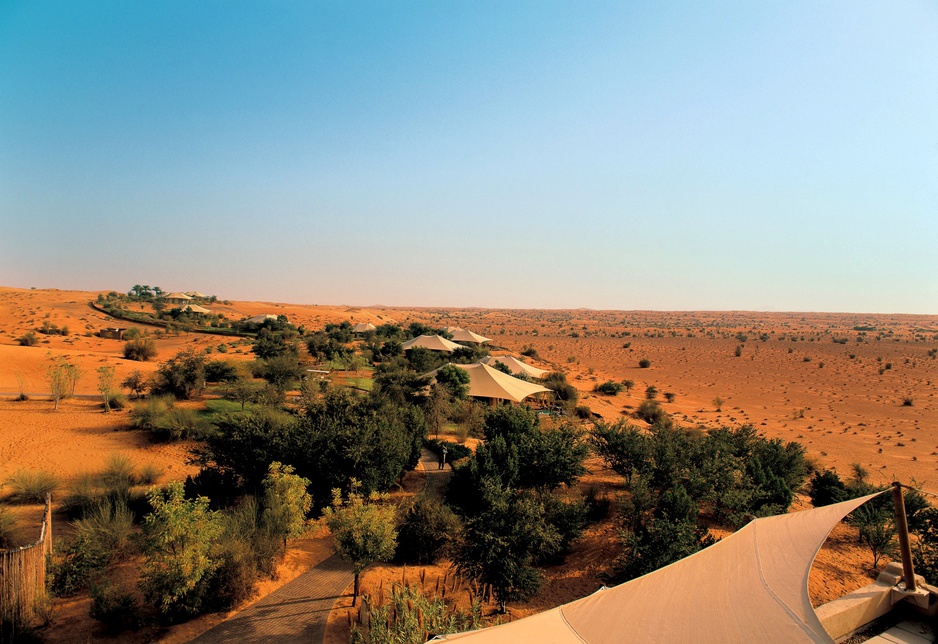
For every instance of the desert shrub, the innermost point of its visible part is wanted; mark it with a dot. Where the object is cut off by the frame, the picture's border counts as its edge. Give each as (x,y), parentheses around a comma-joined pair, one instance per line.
(610,388)
(183,375)
(221,371)
(651,392)
(140,349)
(116,608)
(425,530)
(7,528)
(530,352)
(118,472)
(28,339)
(907,401)
(669,396)
(32,486)
(131,333)
(556,381)
(117,401)
(598,504)
(149,474)
(583,411)
(644,363)
(181,423)
(827,488)
(925,547)
(651,412)
(148,414)
(103,536)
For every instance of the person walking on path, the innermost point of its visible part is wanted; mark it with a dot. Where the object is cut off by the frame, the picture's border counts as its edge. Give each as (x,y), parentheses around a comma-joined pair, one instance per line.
(442,458)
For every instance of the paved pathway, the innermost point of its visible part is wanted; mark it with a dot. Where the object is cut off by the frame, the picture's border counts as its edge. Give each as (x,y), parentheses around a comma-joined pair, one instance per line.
(299,610)
(295,612)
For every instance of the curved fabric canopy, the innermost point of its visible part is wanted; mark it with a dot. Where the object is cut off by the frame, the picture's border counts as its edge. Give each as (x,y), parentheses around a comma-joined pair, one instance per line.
(431,342)
(488,382)
(516,366)
(750,587)
(363,327)
(462,335)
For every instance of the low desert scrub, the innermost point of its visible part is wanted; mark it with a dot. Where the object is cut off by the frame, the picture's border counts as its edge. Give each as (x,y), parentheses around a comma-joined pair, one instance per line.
(610,388)
(907,401)
(32,486)
(7,528)
(114,606)
(28,339)
(644,363)
(149,474)
(141,349)
(103,536)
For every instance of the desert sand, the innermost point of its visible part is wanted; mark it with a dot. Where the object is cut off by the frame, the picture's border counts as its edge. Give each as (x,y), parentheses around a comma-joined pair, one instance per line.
(834,382)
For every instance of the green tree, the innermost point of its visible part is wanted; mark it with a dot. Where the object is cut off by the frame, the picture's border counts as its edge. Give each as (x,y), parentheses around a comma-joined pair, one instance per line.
(178,536)
(183,375)
(62,377)
(136,382)
(500,543)
(271,344)
(286,502)
(454,379)
(362,532)
(106,385)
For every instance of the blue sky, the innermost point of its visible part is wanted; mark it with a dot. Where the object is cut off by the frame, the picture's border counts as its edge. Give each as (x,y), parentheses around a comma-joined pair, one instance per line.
(747,155)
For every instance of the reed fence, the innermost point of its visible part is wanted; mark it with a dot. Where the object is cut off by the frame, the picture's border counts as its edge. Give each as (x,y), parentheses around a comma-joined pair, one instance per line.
(23,594)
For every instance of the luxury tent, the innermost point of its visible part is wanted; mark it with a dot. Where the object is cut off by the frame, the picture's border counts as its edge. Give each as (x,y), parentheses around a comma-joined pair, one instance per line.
(515,365)
(431,342)
(488,382)
(195,308)
(363,327)
(462,335)
(750,587)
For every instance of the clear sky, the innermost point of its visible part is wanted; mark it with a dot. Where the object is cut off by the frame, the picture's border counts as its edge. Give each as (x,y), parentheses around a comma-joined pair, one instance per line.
(617,155)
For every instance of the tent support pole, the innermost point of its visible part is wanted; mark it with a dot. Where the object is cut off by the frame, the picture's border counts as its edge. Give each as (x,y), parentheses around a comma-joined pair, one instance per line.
(902,527)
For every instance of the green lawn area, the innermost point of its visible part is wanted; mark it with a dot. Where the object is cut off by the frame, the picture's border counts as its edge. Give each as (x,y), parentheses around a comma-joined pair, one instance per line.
(358,383)
(217,406)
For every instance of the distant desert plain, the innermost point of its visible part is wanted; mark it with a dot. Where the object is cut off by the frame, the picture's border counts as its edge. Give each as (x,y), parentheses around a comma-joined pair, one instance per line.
(852,388)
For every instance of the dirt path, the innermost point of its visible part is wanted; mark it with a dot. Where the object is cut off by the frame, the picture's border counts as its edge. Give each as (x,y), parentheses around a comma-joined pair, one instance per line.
(437,479)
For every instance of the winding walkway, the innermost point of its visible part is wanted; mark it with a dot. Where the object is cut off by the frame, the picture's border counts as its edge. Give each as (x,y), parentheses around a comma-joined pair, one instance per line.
(298,611)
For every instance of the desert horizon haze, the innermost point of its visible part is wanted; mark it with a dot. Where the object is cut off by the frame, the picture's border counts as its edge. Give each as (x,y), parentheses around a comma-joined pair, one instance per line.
(770,156)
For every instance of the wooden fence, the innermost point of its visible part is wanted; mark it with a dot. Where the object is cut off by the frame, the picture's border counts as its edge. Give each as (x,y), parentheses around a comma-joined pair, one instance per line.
(23,595)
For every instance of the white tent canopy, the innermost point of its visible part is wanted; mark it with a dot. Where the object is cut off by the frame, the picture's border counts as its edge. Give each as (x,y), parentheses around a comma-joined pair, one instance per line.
(487,382)
(750,587)
(363,327)
(431,342)
(516,366)
(462,335)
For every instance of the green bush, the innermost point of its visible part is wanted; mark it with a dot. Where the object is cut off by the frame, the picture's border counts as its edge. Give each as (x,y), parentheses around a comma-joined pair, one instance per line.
(150,473)
(140,349)
(827,488)
(148,414)
(583,411)
(7,528)
(610,388)
(410,616)
(651,412)
(32,486)
(28,339)
(116,608)
(644,363)
(425,530)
